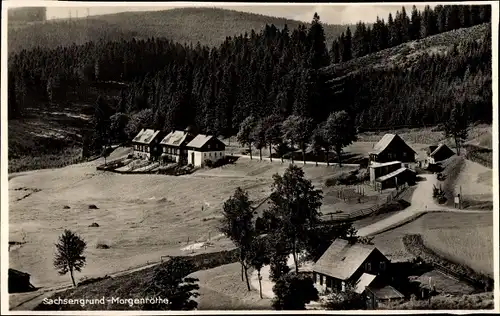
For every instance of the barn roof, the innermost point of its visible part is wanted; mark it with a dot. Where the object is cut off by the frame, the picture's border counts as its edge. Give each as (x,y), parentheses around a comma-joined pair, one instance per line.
(385,141)
(17,273)
(387,292)
(365,280)
(383,164)
(175,138)
(145,136)
(200,140)
(438,149)
(342,259)
(393,174)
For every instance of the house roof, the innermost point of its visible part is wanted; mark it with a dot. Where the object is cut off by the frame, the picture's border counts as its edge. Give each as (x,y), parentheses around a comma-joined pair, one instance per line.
(383,164)
(145,136)
(342,259)
(17,273)
(387,292)
(392,174)
(199,141)
(439,148)
(175,138)
(385,141)
(365,280)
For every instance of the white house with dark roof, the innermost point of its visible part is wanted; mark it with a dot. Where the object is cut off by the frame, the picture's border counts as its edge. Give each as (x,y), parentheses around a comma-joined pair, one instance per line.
(173,146)
(145,144)
(203,148)
(362,266)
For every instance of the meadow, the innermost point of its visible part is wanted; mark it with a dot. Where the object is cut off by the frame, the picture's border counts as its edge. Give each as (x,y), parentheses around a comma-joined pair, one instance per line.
(440,231)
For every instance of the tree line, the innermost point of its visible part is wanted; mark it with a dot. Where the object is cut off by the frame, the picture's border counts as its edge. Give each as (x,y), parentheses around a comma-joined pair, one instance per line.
(277,72)
(402,28)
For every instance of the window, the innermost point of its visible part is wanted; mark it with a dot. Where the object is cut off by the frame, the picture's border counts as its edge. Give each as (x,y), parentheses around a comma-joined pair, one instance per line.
(343,286)
(210,155)
(321,279)
(382,266)
(404,154)
(368,266)
(208,146)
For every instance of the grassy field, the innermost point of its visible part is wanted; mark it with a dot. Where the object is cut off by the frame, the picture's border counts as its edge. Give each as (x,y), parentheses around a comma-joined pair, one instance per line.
(440,230)
(221,288)
(140,217)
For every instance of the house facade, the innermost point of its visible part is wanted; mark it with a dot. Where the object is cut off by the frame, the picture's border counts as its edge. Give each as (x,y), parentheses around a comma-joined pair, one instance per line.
(173,146)
(362,266)
(146,144)
(392,148)
(203,148)
(344,262)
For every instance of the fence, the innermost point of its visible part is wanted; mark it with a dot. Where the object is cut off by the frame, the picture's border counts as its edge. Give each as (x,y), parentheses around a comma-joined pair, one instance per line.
(368,211)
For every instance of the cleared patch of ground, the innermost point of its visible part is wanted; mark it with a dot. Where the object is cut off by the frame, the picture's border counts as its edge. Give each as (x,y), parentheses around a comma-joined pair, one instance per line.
(439,229)
(476,181)
(221,288)
(444,283)
(140,217)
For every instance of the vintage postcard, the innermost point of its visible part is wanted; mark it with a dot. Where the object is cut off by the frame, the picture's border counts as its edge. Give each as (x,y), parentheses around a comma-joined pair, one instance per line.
(249,157)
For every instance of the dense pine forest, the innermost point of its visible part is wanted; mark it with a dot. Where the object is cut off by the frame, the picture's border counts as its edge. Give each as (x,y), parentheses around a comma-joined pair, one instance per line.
(276,72)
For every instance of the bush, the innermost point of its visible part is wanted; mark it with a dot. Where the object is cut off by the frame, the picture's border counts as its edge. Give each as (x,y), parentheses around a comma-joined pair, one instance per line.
(208,163)
(347,178)
(85,281)
(93,207)
(94,225)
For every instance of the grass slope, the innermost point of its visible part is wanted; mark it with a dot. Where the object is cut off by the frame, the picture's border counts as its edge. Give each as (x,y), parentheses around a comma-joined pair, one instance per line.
(439,231)
(209,26)
(407,54)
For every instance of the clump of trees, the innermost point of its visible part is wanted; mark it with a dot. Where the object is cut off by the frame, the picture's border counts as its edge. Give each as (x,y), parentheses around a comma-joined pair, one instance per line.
(291,226)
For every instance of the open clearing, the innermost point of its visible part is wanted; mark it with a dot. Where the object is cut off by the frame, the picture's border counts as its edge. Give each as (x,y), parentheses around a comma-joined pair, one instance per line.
(140,217)
(221,288)
(464,237)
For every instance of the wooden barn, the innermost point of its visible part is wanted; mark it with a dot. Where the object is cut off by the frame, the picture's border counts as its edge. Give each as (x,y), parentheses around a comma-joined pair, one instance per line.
(19,282)
(390,148)
(146,144)
(396,178)
(438,153)
(203,148)
(360,265)
(378,170)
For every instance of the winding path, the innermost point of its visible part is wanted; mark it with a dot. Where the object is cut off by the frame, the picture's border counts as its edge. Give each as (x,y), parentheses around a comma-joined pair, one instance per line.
(421,202)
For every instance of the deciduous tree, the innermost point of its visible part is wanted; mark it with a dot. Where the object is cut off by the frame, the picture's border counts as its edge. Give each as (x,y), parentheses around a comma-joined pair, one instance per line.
(69,254)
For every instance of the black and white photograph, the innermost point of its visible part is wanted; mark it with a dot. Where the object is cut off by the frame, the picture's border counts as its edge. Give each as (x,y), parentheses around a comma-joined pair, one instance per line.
(249,157)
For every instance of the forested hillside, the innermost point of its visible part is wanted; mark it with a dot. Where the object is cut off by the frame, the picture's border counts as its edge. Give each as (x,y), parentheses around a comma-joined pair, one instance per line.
(274,71)
(209,26)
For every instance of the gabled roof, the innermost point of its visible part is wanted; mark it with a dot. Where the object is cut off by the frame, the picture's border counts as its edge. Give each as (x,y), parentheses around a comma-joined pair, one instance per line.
(175,138)
(342,259)
(385,141)
(439,148)
(386,293)
(17,273)
(365,280)
(145,136)
(393,174)
(200,140)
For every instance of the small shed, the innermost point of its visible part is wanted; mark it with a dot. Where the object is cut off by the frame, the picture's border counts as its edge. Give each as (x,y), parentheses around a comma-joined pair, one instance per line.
(396,178)
(383,295)
(19,281)
(378,170)
(440,153)
(203,148)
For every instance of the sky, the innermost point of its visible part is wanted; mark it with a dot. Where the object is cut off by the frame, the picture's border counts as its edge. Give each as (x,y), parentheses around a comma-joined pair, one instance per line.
(339,14)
